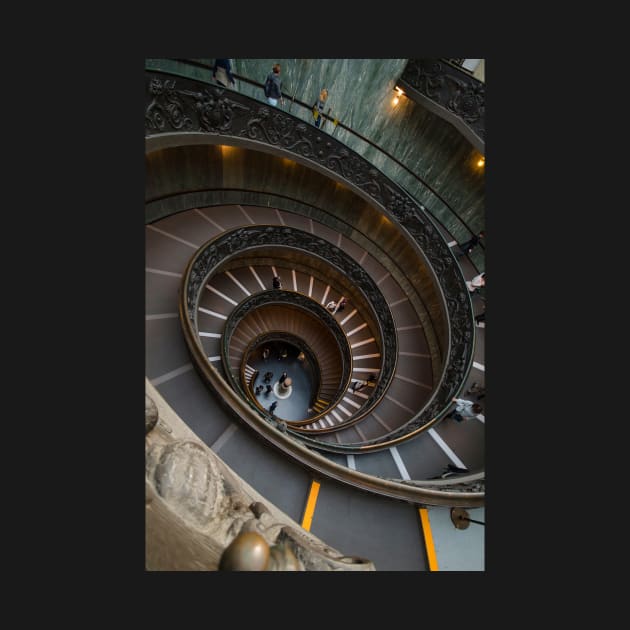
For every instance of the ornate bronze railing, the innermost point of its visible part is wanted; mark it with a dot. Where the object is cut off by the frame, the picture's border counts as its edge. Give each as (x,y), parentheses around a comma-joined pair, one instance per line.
(450,92)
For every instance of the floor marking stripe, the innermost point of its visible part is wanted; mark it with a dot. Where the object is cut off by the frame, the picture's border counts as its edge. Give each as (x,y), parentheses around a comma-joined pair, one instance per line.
(209,220)
(362,343)
(415,354)
(399,463)
(237,282)
(208,312)
(170,375)
(224,437)
(294,280)
(280,217)
(410,380)
(163,273)
(351,402)
(325,294)
(397,402)
(214,358)
(383,278)
(360,395)
(479,366)
(351,463)
(311,502)
(175,238)
(428,539)
(222,295)
(310,287)
(397,302)
(363,257)
(409,327)
(209,334)
(381,421)
(343,321)
(161,316)
(357,329)
(260,282)
(367,356)
(245,213)
(447,449)
(334,413)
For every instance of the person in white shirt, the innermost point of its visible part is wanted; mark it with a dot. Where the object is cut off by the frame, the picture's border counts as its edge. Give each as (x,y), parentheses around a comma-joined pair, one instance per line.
(477,282)
(464,410)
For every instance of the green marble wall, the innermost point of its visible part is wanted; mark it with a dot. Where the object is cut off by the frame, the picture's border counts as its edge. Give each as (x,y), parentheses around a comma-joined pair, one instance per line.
(360,94)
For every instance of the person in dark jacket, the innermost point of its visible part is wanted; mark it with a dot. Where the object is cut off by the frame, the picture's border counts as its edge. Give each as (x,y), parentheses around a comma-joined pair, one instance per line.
(222,72)
(468,246)
(273,86)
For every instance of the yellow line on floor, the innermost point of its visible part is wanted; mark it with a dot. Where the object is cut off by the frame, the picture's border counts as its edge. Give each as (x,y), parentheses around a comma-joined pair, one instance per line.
(310,506)
(428,539)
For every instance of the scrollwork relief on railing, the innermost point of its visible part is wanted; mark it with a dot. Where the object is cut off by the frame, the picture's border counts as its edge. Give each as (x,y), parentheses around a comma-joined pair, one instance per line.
(451,88)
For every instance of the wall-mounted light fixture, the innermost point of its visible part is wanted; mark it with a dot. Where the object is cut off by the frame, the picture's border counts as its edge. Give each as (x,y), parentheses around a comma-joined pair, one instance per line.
(399,93)
(459,517)
(481,162)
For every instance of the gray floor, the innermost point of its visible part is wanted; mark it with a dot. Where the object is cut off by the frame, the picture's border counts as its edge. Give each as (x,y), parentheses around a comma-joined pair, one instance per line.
(388,532)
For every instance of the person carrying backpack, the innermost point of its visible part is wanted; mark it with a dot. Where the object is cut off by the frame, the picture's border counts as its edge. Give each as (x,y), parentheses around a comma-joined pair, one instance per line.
(318,107)
(273,86)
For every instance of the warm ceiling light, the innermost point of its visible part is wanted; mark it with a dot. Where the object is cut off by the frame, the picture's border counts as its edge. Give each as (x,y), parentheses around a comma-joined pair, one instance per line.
(399,93)
(481,162)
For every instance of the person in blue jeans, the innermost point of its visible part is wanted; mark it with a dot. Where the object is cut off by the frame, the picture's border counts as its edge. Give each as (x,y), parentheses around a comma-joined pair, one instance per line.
(222,72)
(273,86)
(318,107)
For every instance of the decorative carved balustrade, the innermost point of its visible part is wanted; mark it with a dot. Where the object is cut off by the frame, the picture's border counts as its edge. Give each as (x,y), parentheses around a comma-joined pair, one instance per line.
(449,92)
(199,516)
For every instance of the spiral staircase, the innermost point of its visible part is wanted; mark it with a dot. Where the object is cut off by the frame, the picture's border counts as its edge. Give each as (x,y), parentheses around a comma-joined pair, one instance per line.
(238,194)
